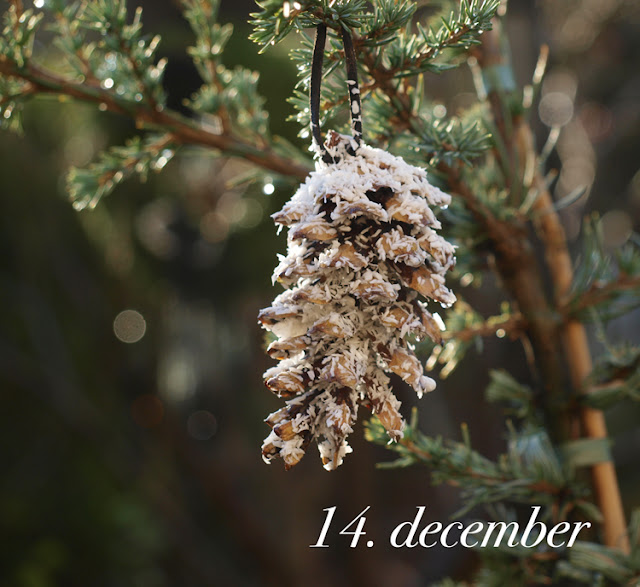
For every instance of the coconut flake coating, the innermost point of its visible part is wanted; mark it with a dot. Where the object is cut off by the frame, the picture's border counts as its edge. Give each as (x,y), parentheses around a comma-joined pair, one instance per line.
(362,249)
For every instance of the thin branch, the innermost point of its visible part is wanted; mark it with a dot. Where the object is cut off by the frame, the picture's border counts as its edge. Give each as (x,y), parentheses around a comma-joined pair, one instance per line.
(513,326)
(182,129)
(384,76)
(519,269)
(576,348)
(539,486)
(598,294)
(83,62)
(17,6)
(135,69)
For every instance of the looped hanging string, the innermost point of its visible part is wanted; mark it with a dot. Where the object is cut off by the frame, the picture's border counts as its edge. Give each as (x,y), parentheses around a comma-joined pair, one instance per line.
(353,90)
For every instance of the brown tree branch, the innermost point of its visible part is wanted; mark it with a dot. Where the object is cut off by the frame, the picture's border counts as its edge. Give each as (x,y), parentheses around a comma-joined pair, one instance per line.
(513,326)
(574,337)
(519,269)
(182,129)
(576,347)
(515,257)
(598,294)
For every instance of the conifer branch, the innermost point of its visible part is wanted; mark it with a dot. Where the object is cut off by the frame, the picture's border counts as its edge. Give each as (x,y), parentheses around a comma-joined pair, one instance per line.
(576,347)
(529,471)
(599,294)
(615,376)
(558,260)
(183,130)
(512,326)
(519,268)
(458,476)
(516,260)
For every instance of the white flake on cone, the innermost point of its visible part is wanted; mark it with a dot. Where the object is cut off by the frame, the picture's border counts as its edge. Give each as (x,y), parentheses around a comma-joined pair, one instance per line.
(362,247)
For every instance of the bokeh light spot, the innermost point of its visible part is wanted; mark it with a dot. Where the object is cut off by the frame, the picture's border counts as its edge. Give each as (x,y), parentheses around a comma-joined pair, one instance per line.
(576,171)
(252,215)
(129,326)
(79,150)
(556,109)
(466,279)
(268,188)
(597,121)
(153,226)
(214,227)
(439,111)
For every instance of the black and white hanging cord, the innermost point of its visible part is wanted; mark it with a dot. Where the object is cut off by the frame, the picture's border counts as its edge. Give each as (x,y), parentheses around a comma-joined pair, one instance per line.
(354,92)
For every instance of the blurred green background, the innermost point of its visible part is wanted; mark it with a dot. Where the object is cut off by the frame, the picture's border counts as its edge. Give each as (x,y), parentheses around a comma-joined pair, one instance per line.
(131,359)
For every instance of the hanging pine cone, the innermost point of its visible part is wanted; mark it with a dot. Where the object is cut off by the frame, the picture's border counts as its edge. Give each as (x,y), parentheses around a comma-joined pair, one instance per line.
(362,249)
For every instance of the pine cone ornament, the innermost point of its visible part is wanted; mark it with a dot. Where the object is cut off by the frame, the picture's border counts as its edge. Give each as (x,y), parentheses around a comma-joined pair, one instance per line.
(362,252)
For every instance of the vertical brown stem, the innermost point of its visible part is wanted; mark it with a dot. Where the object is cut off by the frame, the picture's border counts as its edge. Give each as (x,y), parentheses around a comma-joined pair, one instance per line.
(576,347)
(520,148)
(519,270)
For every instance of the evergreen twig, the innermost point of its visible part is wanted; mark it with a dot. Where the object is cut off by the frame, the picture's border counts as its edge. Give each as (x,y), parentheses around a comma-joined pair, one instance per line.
(512,326)
(182,129)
